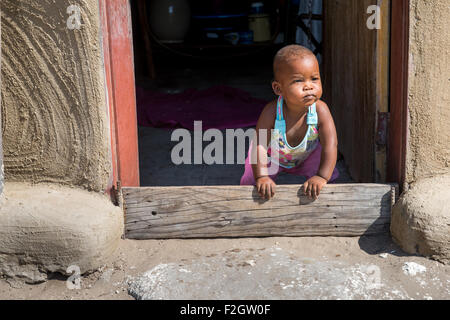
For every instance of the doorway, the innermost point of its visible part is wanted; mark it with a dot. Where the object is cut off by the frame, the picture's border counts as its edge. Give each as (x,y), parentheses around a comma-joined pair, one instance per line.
(376,102)
(363,118)
(216,67)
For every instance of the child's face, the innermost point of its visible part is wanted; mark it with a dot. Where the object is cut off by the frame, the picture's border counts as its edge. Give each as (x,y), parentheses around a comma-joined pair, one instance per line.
(298,81)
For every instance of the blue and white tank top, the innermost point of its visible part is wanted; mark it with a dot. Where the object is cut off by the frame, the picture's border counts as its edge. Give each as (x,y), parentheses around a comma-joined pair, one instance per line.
(288,156)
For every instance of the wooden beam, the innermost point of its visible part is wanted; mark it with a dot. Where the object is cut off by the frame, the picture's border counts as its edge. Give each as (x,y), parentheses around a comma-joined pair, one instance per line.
(119,72)
(356,57)
(382,89)
(398,124)
(238,211)
(143,23)
(1,131)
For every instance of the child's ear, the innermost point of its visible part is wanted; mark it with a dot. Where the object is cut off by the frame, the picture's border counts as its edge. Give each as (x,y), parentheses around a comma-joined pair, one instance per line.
(276,88)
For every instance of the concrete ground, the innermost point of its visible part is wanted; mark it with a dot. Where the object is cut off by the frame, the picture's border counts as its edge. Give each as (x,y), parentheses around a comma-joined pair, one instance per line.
(252,268)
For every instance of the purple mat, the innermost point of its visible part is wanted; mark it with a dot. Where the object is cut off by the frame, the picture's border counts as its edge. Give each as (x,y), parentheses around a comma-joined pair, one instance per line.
(219,107)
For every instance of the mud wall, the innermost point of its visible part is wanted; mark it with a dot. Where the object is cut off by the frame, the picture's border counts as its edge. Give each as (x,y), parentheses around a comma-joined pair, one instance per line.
(428,151)
(55,121)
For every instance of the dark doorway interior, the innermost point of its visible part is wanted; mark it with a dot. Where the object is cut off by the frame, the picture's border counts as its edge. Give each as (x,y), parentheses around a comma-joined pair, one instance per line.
(201,63)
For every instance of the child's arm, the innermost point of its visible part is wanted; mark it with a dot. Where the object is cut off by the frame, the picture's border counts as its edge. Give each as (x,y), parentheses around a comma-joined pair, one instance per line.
(264,184)
(329,142)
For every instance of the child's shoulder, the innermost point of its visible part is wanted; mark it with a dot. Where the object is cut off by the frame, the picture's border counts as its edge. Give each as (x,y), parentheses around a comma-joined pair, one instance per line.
(322,107)
(268,115)
(271,106)
(323,112)
(270,109)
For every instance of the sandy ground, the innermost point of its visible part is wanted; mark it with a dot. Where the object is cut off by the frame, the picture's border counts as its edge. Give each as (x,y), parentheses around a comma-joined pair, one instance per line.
(134,258)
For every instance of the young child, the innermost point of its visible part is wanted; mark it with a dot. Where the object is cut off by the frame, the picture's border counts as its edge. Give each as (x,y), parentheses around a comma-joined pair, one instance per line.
(299,119)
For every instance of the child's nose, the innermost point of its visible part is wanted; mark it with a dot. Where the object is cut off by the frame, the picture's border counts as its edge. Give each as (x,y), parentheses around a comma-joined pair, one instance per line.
(308,86)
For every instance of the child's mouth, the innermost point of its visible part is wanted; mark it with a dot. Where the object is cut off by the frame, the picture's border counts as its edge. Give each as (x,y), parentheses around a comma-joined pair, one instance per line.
(309,97)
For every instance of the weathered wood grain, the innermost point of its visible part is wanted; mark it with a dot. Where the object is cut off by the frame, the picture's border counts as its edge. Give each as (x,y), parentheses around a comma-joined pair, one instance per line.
(238,211)
(399,65)
(356,81)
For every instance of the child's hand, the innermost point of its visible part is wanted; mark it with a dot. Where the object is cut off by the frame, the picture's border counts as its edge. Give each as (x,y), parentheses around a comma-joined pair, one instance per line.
(265,187)
(313,186)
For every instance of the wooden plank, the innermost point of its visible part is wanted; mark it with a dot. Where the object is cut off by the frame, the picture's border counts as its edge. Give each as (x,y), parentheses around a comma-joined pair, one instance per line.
(143,24)
(382,83)
(398,124)
(1,146)
(238,211)
(354,72)
(119,69)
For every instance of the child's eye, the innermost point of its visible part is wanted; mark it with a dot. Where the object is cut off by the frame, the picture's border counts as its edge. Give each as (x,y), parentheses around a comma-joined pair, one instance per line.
(299,80)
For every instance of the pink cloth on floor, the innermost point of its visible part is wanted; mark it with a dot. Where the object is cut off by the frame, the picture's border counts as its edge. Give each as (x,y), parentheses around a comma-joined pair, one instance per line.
(307,168)
(219,107)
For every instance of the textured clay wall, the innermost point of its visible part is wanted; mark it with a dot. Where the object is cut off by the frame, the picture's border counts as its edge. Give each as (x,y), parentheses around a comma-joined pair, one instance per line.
(55,122)
(429,90)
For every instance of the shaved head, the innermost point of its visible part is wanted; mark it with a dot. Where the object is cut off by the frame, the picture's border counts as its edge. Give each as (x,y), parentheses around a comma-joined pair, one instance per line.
(289,53)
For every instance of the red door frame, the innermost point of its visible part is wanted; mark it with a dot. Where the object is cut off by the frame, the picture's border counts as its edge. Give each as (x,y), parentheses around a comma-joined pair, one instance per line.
(398,124)
(120,84)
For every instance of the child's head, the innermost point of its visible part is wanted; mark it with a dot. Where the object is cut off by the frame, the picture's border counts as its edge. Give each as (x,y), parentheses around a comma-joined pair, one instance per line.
(297,76)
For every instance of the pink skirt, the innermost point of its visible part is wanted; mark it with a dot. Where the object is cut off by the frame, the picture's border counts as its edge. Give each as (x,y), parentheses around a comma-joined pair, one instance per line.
(307,168)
